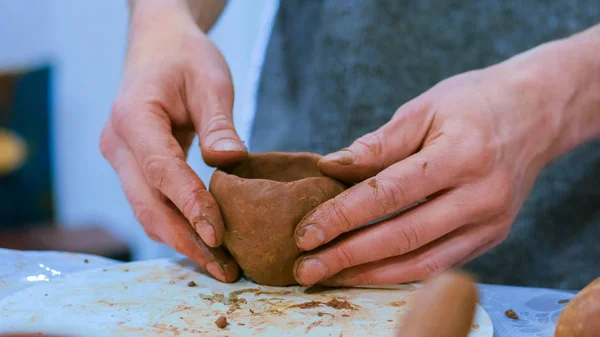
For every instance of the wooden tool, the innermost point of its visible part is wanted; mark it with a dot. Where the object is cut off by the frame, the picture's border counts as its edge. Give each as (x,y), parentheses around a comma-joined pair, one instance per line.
(444,307)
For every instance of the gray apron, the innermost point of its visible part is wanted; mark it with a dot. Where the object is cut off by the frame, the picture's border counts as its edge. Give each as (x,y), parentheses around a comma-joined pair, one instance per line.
(337,69)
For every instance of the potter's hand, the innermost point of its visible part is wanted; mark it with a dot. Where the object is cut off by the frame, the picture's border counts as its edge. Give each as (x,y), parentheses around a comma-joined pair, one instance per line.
(175,85)
(473,145)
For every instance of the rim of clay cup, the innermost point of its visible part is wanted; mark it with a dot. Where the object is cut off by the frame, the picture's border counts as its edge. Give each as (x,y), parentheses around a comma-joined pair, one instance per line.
(223,171)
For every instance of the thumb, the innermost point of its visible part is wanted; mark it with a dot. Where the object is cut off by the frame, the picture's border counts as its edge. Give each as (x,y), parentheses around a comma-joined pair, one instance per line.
(370,154)
(211,110)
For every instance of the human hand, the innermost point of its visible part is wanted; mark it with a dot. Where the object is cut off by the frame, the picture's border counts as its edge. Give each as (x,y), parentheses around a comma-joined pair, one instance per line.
(472,146)
(175,85)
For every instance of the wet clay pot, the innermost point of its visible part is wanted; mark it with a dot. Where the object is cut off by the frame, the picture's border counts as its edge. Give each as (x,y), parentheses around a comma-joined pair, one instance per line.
(262,200)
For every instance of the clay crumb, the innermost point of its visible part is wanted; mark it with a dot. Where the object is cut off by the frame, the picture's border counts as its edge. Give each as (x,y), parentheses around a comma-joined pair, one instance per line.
(251,311)
(511,314)
(192,284)
(313,324)
(307,305)
(242,324)
(338,305)
(126,270)
(334,303)
(373,183)
(390,320)
(86,261)
(221,322)
(397,303)
(475,326)
(345,315)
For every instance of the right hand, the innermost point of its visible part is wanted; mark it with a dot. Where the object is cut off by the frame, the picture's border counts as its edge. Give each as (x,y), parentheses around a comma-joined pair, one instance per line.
(175,85)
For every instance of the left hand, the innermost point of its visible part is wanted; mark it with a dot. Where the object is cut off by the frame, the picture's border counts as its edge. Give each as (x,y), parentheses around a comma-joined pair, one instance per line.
(472,145)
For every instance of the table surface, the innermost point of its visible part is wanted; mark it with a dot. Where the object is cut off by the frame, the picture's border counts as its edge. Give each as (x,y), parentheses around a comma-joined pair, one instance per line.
(538,309)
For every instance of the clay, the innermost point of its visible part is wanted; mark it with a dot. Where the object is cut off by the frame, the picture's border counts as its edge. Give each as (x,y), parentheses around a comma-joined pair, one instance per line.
(511,314)
(333,303)
(221,322)
(262,201)
(581,317)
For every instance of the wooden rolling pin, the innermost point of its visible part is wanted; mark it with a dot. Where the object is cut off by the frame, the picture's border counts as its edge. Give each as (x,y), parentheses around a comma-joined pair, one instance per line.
(444,307)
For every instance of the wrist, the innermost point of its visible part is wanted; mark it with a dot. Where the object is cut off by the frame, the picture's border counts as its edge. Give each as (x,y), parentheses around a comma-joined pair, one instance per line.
(152,13)
(560,81)
(203,13)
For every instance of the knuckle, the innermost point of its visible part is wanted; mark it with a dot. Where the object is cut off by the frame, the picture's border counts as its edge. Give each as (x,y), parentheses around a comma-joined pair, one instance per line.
(371,142)
(502,235)
(154,237)
(119,114)
(341,215)
(500,199)
(475,151)
(389,193)
(366,279)
(107,144)
(406,238)
(157,169)
(145,215)
(219,122)
(429,267)
(222,86)
(344,257)
(191,199)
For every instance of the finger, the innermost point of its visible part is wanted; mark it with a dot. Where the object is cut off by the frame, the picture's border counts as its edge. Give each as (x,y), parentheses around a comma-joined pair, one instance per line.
(399,138)
(163,164)
(393,237)
(211,109)
(167,223)
(420,264)
(400,185)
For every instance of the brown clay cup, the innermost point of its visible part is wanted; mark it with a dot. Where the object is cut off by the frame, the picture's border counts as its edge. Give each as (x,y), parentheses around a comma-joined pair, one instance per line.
(262,201)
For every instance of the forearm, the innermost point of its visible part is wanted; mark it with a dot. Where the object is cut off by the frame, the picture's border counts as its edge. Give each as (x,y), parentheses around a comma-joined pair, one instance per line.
(581,118)
(203,12)
(560,81)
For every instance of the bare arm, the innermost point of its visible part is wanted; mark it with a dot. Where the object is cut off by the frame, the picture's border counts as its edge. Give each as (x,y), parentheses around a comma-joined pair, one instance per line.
(204,12)
(576,70)
(176,86)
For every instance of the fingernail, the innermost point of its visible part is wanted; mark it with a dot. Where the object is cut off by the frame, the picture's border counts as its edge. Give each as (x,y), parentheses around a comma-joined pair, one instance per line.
(343,157)
(311,271)
(231,271)
(216,270)
(310,237)
(206,232)
(227,145)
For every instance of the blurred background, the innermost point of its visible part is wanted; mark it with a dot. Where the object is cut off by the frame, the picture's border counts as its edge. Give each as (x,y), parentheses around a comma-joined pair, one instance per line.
(60,67)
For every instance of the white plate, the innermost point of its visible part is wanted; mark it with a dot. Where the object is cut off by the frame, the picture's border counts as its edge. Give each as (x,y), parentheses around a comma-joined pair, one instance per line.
(153,298)
(23,269)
